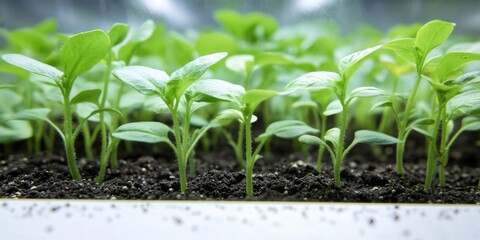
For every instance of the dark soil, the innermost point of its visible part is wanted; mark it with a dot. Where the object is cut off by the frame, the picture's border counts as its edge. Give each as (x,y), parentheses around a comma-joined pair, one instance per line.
(281,177)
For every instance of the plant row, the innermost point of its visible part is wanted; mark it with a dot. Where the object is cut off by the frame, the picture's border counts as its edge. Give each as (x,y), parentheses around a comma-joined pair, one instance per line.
(304,82)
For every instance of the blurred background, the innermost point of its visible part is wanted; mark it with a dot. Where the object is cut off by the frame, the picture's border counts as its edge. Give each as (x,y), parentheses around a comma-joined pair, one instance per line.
(80,15)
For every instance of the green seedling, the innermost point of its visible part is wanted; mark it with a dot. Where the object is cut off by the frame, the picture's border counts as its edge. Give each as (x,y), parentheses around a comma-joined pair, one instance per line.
(338,83)
(246,102)
(455,98)
(173,90)
(415,50)
(78,54)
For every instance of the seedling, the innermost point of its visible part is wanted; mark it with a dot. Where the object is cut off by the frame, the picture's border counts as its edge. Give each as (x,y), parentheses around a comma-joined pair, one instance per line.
(415,50)
(78,54)
(455,98)
(172,90)
(246,102)
(338,83)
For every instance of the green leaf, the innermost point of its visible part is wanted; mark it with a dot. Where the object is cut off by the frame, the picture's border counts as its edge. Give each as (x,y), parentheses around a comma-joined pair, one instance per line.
(333,108)
(363,92)
(240,63)
(34,66)
(11,131)
(82,51)
(333,136)
(311,140)
(372,137)
(254,97)
(471,123)
(382,104)
(305,104)
(31,114)
(90,95)
(468,78)
(213,90)
(271,58)
(117,33)
(226,116)
(286,129)
(404,48)
(432,35)
(209,43)
(350,63)
(313,81)
(452,61)
(144,32)
(182,78)
(464,103)
(149,132)
(145,80)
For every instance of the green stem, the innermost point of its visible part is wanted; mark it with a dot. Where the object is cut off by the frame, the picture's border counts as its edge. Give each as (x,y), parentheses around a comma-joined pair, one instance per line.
(341,142)
(403,126)
(443,155)
(103,127)
(321,149)
(239,146)
(69,140)
(178,142)
(103,165)
(115,122)
(248,155)
(87,141)
(433,152)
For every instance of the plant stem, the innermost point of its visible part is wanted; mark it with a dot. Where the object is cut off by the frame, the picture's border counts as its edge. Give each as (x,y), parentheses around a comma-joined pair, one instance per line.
(321,149)
(443,150)
(69,141)
(433,151)
(341,142)
(180,155)
(402,128)
(103,126)
(248,155)
(87,141)
(239,147)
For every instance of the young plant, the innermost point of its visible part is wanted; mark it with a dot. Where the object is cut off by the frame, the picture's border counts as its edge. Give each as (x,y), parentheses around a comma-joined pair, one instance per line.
(245,104)
(455,98)
(415,50)
(78,54)
(173,90)
(338,83)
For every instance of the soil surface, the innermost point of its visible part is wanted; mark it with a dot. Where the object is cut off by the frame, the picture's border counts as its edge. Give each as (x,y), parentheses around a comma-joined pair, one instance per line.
(279,177)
